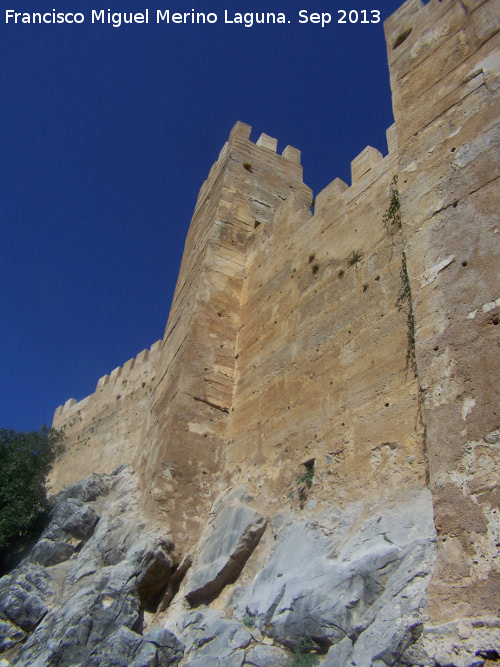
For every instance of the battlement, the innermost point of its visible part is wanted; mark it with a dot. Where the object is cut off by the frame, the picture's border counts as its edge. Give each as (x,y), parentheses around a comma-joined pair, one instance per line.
(72,406)
(242,131)
(365,167)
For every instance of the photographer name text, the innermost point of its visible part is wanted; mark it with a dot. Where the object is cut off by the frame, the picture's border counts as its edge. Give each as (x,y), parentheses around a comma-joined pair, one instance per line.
(166,16)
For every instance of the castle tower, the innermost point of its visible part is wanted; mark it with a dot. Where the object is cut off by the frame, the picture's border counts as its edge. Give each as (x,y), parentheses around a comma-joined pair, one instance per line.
(444,61)
(192,395)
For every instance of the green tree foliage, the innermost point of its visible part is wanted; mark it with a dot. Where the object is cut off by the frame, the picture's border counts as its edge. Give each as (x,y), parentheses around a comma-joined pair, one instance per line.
(25,461)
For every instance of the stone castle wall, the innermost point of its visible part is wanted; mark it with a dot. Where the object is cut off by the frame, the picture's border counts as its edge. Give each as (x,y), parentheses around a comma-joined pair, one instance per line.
(286,350)
(104,429)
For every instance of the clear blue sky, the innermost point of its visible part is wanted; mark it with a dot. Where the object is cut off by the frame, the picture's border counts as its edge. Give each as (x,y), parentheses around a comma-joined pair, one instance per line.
(107,135)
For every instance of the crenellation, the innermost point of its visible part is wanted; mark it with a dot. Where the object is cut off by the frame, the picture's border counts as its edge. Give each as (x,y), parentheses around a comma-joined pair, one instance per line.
(392,139)
(102,382)
(240,130)
(265,141)
(292,154)
(115,374)
(156,347)
(330,195)
(69,403)
(128,366)
(142,356)
(364,162)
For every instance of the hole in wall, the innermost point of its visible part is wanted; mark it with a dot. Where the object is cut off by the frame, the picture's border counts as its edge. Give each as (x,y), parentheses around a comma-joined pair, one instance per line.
(401,38)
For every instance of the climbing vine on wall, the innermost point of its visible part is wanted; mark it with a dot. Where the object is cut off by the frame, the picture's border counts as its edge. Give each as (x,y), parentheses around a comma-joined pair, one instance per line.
(392,224)
(404,303)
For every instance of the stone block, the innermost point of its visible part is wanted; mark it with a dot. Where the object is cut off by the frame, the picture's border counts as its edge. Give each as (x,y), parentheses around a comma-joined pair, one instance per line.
(115,374)
(392,138)
(265,141)
(240,131)
(364,162)
(329,195)
(292,154)
(142,356)
(128,366)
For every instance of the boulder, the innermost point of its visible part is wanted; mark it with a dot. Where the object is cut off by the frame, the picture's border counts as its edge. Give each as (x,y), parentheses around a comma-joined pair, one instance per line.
(50,552)
(267,656)
(229,539)
(72,522)
(125,648)
(25,594)
(339,654)
(88,489)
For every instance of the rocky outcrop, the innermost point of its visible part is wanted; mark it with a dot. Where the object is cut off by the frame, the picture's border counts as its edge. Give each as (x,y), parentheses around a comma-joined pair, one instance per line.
(345,574)
(80,596)
(332,586)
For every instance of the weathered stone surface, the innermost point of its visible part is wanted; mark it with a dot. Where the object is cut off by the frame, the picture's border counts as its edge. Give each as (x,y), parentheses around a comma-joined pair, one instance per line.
(211,639)
(231,536)
(125,648)
(339,654)
(267,656)
(220,639)
(449,167)
(72,522)
(87,489)
(25,594)
(75,518)
(50,552)
(10,634)
(328,583)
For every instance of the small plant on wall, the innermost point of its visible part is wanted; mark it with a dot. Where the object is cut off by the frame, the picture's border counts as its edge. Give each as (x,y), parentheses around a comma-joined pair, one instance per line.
(304,481)
(355,257)
(392,217)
